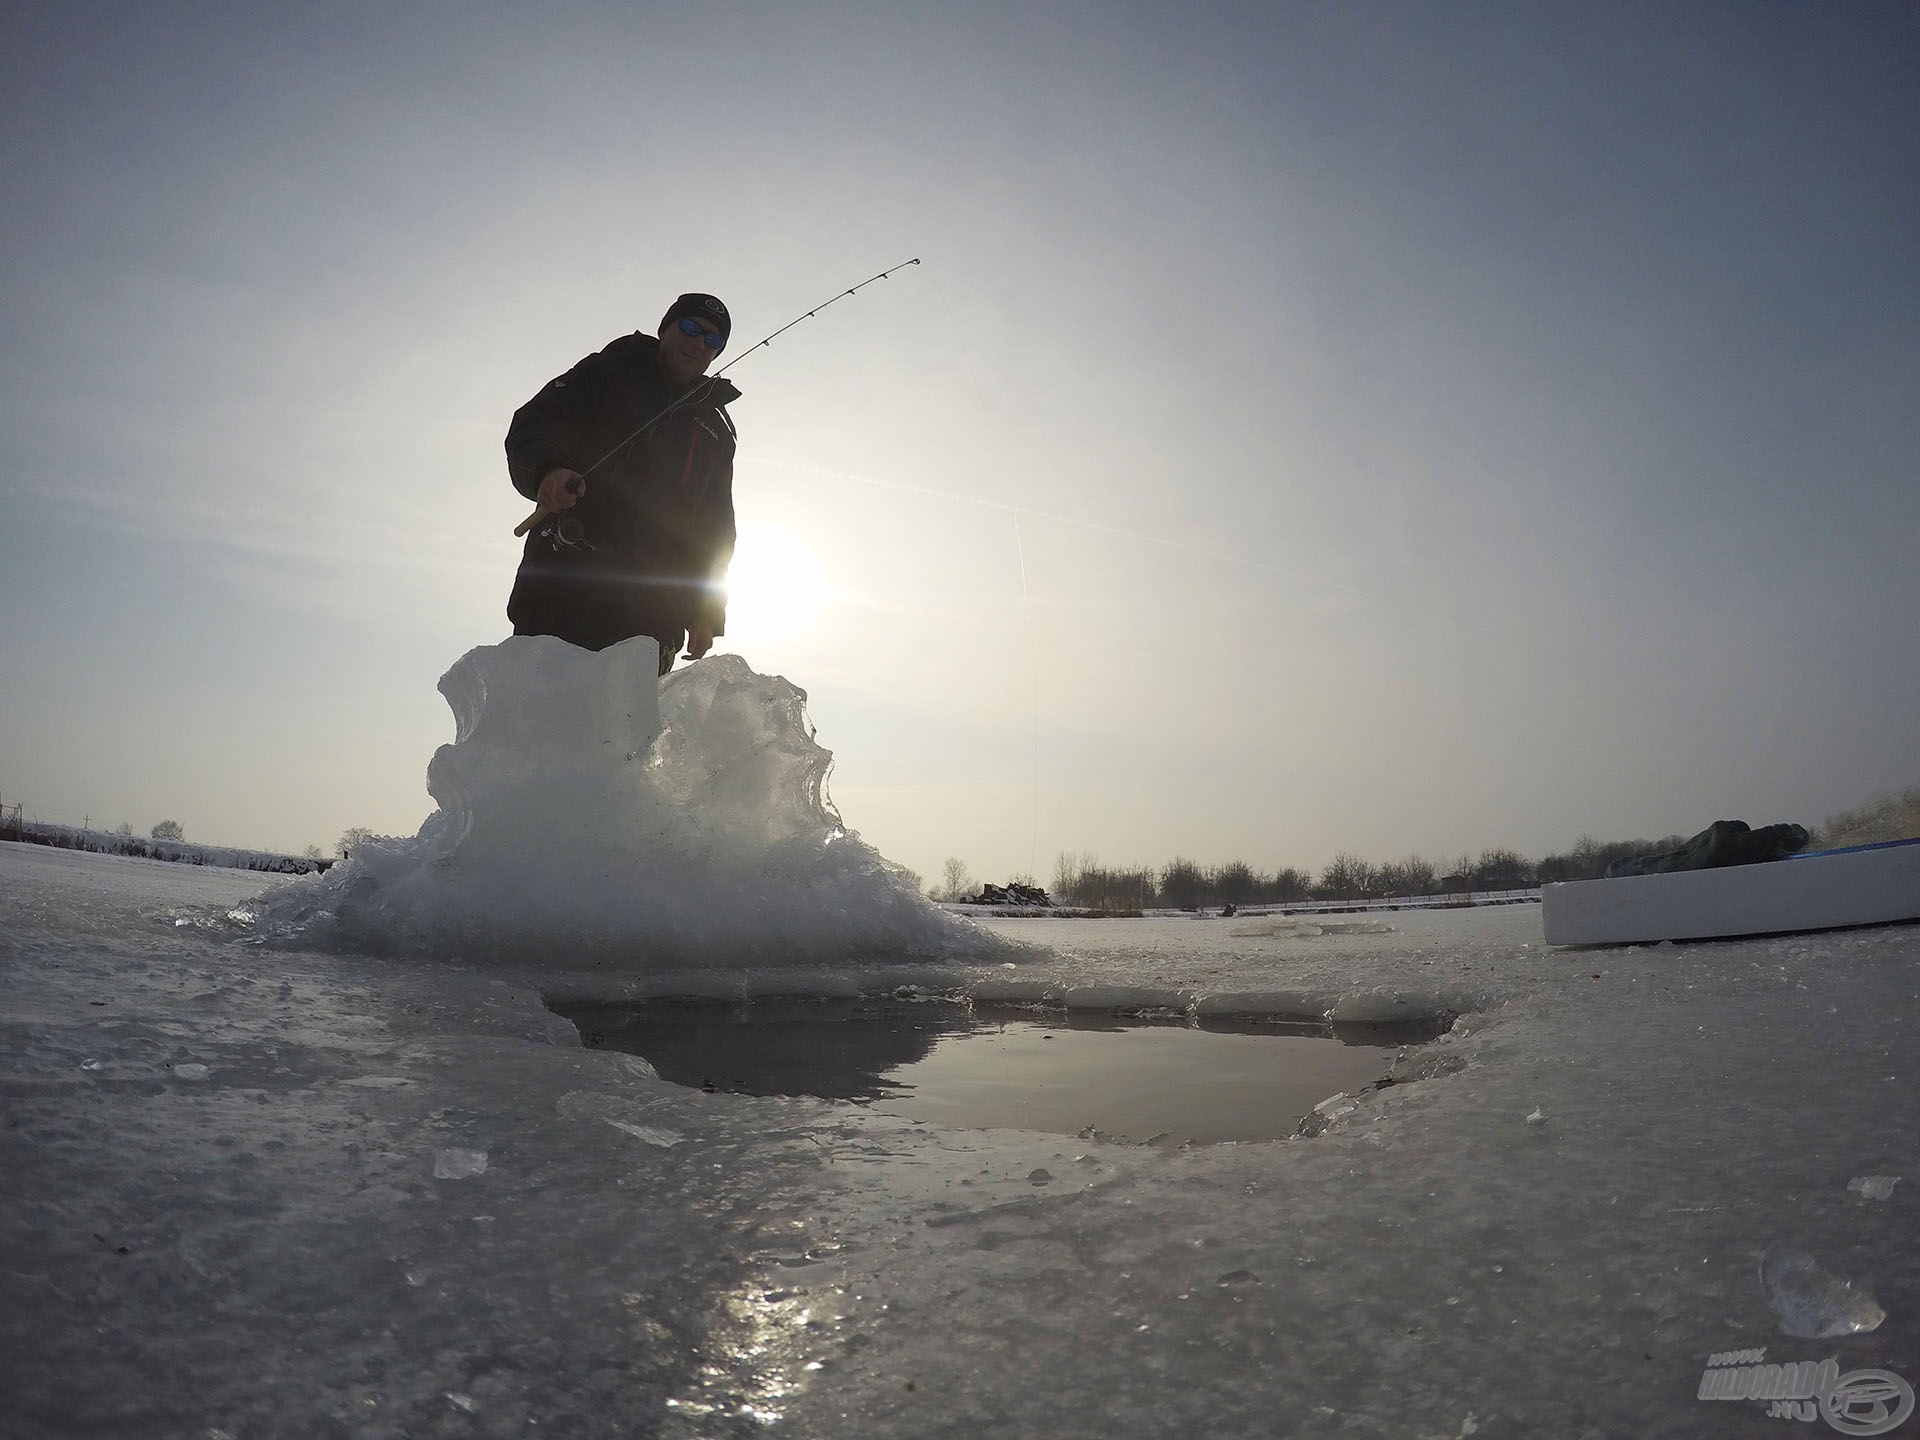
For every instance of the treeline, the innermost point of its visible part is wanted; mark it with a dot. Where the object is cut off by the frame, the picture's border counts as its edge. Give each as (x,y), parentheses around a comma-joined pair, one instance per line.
(1181,884)
(160,847)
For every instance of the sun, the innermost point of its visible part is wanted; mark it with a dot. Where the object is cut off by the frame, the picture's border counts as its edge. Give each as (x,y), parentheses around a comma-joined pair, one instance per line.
(775,586)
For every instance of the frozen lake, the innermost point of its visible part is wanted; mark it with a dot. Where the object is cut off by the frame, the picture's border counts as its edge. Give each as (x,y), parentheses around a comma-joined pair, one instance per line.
(253,1192)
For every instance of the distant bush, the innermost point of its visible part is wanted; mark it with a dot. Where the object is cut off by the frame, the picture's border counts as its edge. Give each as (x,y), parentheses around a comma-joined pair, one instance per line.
(1893,816)
(68,837)
(168,830)
(1084,882)
(1181,884)
(1589,858)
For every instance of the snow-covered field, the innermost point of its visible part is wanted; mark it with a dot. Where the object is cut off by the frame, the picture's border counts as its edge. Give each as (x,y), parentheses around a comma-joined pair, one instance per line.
(243,1196)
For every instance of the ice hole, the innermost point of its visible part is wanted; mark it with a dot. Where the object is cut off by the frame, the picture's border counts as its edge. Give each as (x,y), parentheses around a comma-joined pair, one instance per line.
(1164,1082)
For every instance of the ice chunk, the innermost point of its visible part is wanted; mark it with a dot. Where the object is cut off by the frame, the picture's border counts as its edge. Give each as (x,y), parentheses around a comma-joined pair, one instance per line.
(192,1071)
(456,1164)
(1269,927)
(592,812)
(1873,1187)
(1811,1303)
(652,1134)
(1125,998)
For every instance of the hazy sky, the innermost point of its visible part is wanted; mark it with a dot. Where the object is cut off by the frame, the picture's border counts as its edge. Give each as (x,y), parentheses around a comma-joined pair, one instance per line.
(1343,426)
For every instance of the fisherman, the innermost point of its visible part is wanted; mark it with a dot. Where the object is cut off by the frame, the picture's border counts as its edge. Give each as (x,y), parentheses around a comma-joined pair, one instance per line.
(629,456)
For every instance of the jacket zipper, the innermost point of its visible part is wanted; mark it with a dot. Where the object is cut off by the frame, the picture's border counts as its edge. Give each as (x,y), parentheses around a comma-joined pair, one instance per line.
(686,471)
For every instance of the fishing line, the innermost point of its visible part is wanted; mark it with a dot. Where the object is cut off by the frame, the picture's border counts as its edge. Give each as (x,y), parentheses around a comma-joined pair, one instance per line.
(1033,679)
(700,391)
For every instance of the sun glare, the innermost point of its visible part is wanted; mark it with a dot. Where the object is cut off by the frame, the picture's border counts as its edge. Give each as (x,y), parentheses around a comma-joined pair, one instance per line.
(775,586)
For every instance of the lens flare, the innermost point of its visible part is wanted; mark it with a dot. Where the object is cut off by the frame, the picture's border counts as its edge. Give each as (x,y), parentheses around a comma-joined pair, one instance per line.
(776,587)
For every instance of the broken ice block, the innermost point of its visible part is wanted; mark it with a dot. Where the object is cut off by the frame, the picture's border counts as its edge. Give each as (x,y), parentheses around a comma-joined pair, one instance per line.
(1873,1187)
(458,1164)
(1811,1303)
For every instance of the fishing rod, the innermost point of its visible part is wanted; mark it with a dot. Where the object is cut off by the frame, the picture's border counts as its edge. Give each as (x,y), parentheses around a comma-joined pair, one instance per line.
(576,485)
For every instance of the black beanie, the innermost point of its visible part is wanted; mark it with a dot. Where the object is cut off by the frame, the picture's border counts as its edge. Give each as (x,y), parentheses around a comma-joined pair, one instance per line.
(706,307)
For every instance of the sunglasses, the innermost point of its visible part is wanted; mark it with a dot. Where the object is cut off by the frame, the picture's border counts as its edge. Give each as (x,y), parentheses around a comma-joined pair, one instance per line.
(691,326)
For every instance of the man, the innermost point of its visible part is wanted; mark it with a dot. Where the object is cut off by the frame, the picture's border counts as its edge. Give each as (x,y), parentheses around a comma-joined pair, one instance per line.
(630,458)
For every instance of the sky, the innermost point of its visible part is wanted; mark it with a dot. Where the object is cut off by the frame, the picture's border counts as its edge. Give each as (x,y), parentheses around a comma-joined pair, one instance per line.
(1401,429)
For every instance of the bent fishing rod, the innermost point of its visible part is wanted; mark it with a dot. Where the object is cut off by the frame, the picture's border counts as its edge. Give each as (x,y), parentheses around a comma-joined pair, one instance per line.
(578,483)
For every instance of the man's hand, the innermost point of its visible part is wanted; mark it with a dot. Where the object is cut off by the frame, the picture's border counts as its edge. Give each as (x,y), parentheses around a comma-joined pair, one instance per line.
(561,489)
(699,641)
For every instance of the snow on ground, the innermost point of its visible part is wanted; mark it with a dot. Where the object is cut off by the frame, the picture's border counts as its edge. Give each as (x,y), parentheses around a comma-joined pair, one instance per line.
(244,1197)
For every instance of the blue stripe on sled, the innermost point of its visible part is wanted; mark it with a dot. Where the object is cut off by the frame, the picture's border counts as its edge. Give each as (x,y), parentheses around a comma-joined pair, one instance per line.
(1856,849)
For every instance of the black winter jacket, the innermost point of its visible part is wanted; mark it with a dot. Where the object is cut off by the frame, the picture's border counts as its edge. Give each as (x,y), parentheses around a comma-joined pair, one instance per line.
(646,548)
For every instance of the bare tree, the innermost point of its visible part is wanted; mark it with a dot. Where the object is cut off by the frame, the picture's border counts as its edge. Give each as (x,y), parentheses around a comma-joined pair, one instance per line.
(1411,876)
(1068,867)
(1287,883)
(358,835)
(1083,880)
(1347,877)
(955,882)
(1234,883)
(1183,884)
(1502,870)
(168,830)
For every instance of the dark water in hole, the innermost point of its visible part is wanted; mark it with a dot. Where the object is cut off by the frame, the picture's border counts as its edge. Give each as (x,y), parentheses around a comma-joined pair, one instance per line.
(941,1063)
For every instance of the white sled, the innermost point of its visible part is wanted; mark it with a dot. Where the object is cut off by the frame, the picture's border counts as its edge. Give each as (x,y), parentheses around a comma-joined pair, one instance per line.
(1820,890)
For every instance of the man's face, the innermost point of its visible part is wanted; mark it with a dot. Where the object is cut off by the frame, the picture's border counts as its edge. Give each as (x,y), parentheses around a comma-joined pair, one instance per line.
(685,357)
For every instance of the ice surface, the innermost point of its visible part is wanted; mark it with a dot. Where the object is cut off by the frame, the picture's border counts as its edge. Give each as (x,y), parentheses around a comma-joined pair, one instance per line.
(593,816)
(266,1252)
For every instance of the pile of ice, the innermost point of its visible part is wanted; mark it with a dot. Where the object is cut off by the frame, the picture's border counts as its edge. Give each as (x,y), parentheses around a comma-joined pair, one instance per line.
(594,816)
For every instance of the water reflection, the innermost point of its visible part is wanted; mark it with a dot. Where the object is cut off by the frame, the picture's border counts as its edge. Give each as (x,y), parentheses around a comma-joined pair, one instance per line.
(833,1049)
(1080,1073)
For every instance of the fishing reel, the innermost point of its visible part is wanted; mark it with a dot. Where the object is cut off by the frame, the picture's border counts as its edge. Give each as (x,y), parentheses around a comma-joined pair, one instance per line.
(567,532)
